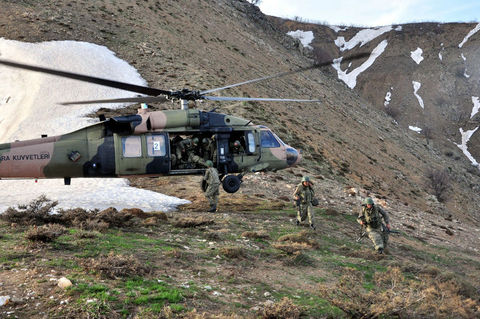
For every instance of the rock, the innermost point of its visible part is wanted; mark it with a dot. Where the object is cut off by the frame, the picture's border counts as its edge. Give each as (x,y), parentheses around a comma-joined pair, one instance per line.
(4,300)
(64,283)
(267,294)
(268,303)
(151,221)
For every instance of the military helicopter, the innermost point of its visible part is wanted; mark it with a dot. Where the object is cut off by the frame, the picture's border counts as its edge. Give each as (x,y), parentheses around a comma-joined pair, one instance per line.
(154,143)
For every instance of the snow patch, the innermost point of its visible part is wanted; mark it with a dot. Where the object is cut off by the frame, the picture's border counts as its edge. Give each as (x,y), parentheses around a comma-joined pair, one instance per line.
(351,78)
(362,37)
(465,138)
(463,57)
(337,28)
(87,193)
(440,56)
(476,106)
(465,74)
(416,87)
(417,55)
(388,98)
(415,129)
(472,32)
(33,107)
(28,109)
(399,28)
(305,37)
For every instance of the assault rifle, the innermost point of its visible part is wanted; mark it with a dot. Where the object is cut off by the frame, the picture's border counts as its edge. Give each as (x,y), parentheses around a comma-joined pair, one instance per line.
(384,229)
(389,231)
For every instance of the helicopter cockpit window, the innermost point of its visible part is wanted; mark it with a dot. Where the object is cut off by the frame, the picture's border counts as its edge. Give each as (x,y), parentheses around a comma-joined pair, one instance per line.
(132,146)
(268,140)
(156,145)
(251,142)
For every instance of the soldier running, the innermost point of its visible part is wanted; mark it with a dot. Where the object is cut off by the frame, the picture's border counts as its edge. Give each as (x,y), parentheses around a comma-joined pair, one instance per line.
(304,195)
(213,184)
(371,217)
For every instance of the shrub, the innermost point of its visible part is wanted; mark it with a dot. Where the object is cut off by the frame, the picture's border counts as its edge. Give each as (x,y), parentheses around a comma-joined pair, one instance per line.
(285,309)
(37,212)
(438,181)
(426,296)
(187,222)
(45,233)
(115,266)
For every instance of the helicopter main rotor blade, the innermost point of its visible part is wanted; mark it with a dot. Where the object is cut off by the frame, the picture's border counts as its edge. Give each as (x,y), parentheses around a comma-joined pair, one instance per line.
(141,99)
(231,98)
(90,79)
(315,66)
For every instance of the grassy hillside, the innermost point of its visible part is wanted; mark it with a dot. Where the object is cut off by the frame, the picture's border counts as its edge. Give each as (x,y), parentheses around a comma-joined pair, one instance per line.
(232,264)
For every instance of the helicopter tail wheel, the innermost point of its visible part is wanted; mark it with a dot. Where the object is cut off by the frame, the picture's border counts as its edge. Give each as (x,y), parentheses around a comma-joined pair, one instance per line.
(231,183)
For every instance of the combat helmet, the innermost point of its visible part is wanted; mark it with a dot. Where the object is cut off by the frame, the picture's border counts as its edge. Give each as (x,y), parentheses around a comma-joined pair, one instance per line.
(368,201)
(209,163)
(195,141)
(306,179)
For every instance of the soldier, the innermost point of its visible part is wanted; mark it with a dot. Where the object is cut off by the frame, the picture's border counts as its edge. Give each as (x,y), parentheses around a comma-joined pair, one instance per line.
(304,195)
(187,151)
(210,149)
(371,218)
(237,148)
(213,184)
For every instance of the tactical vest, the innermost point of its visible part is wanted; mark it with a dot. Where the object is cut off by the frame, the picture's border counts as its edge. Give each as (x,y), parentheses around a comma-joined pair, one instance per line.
(372,216)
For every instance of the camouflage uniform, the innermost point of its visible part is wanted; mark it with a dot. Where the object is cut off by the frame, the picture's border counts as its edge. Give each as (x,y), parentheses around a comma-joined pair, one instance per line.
(210,150)
(213,184)
(372,218)
(186,152)
(305,194)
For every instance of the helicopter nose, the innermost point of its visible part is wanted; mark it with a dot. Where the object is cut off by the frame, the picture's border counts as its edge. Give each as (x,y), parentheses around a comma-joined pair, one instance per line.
(293,156)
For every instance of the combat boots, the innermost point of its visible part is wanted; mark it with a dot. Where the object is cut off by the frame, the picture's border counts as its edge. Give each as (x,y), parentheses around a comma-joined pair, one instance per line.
(212,209)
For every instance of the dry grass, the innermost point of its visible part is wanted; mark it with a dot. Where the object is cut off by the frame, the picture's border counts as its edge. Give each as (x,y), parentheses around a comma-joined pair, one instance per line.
(233,252)
(291,248)
(45,233)
(187,222)
(394,295)
(301,238)
(195,315)
(295,243)
(39,212)
(255,234)
(284,309)
(116,266)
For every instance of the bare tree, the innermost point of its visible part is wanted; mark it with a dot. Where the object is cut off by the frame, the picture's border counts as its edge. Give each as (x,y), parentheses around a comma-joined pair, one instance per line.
(439,182)
(427,132)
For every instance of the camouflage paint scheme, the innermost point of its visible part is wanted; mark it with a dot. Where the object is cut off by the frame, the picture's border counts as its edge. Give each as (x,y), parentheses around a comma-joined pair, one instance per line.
(96,150)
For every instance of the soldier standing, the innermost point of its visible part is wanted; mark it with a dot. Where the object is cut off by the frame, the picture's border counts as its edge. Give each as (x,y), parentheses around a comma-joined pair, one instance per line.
(213,184)
(371,218)
(304,195)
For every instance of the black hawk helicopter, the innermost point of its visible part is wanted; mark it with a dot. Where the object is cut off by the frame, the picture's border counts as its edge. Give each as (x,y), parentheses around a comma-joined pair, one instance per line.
(155,143)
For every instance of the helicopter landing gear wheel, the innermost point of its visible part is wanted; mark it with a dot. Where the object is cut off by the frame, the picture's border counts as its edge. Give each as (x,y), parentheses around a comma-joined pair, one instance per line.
(231,183)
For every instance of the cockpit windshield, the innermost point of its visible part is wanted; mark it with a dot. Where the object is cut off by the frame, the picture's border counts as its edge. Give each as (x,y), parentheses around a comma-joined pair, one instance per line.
(268,140)
(278,139)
